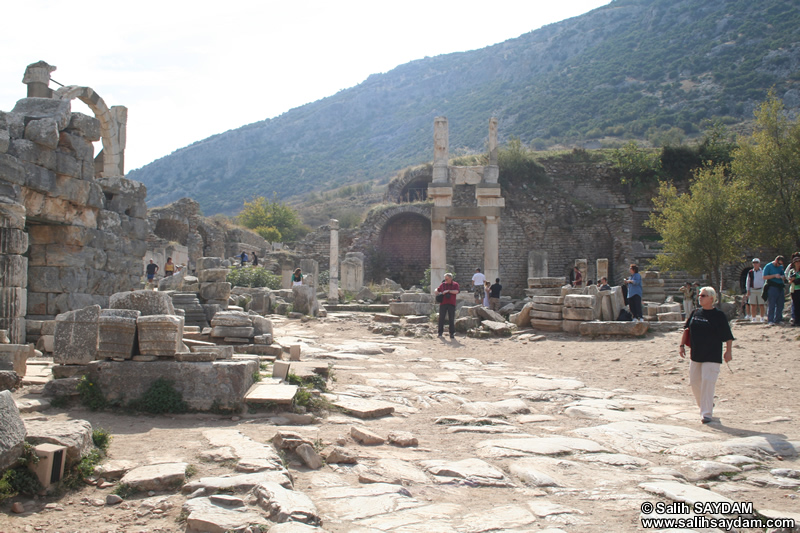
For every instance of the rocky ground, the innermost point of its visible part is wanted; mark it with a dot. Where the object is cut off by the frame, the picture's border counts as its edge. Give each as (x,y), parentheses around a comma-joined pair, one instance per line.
(514,434)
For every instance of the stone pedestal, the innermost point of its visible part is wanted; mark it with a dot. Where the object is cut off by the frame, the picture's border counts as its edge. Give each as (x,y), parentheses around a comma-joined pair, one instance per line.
(353,272)
(76,336)
(602,269)
(160,334)
(117,337)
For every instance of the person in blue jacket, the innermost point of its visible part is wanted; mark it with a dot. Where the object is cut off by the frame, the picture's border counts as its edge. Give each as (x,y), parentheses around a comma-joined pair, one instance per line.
(634,284)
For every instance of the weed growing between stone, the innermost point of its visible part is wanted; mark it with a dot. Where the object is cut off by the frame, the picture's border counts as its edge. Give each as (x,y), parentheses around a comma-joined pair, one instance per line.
(90,394)
(102,439)
(191,470)
(59,402)
(161,398)
(84,468)
(256,377)
(18,480)
(124,491)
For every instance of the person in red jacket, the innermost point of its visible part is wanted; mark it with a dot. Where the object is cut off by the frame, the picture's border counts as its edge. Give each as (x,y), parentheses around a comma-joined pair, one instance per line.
(448,289)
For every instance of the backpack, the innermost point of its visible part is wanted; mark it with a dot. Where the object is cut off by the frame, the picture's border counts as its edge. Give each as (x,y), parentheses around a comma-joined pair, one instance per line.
(624,316)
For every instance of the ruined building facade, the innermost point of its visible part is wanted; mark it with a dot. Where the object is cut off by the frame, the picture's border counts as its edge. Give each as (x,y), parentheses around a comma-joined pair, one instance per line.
(73,229)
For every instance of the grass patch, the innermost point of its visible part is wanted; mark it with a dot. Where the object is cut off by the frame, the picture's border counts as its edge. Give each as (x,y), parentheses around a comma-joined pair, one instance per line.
(161,398)
(102,439)
(90,394)
(124,491)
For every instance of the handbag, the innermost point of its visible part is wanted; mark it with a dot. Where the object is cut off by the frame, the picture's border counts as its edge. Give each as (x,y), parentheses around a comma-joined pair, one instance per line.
(686,338)
(439,298)
(765,292)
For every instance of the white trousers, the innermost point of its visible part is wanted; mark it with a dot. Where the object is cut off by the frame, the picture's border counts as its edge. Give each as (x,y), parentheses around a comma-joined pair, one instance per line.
(703,379)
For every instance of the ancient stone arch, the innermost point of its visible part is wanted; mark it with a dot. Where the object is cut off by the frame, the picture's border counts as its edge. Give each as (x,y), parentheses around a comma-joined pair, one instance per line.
(488,196)
(410,186)
(113,124)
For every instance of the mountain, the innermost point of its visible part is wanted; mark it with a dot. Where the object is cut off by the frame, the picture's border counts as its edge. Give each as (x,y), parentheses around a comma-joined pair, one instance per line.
(631,69)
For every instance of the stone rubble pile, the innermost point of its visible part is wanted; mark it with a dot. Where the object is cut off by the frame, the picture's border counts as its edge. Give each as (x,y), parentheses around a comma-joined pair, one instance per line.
(211,274)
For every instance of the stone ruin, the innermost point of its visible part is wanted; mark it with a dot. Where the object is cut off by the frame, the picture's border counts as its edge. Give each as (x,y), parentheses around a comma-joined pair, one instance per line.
(73,229)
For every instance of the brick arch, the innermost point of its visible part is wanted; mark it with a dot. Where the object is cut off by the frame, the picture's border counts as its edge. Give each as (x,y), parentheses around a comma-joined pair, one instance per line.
(410,186)
(405,246)
(112,128)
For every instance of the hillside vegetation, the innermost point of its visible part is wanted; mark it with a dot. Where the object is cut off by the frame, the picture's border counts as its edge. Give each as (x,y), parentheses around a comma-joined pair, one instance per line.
(651,70)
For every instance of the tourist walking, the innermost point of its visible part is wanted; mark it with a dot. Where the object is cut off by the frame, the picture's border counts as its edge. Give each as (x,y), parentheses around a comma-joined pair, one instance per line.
(494,295)
(635,293)
(150,271)
(793,277)
(486,286)
(688,298)
(297,277)
(255,260)
(477,285)
(244,258)
(754,286)
(577,280)
(169,267)
(773,278)
(708,329)
(447,308)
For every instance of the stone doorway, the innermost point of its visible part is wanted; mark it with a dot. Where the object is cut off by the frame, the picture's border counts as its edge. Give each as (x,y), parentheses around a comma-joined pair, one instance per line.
(405,247)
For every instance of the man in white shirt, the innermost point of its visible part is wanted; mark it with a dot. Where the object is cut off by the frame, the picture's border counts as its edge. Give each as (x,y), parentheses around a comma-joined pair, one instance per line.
(754,285)
(477,283)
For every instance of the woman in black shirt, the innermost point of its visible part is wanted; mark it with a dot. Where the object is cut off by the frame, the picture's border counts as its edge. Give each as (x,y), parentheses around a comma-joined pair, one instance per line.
(708,328)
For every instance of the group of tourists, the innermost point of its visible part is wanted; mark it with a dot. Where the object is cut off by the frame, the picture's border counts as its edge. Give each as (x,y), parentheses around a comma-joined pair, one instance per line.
(152,269)
(765,287)
(244,258)
(486,294)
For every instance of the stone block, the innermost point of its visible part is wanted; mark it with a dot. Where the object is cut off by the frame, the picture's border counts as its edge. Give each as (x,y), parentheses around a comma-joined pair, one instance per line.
(547,308)
(669,308)
(15,357)
(146,302)
(630,329)
(230,331)
(294,352)
(523,318)
(160,334)
(549,300)
(75,435)
(215,291)
(9,380)
(212,275)
(545,315)
(578,313)
(606,308)
(205,263)
(579,300)
(158,477)
(202,385)
(571,326)
(465,324)
(13,302)
(487,314)
(195,357)
(117,337)
(84,126)
(234,319)
(15,328)
(546,325)
(412,308)
(38,108)
(12,431)
(68,371)
(284,505)
(362,408)
(43,132)
(13,241)
(76,336)
(45,343)
(221,352)
(13,271)
(546,282)
(670,317)
(417,297)
(12,215)
(305,300)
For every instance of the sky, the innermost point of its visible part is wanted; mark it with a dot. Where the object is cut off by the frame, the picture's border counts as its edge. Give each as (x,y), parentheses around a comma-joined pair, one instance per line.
(189,70)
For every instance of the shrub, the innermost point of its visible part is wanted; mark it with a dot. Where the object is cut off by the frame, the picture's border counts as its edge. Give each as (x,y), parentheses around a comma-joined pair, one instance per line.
(90,394)
(101,438)
(161,398)
(253,277)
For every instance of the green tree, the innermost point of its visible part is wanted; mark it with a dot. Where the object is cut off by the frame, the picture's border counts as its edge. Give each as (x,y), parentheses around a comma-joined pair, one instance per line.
(637,167)
(272,220)
(699,229)
(767,163)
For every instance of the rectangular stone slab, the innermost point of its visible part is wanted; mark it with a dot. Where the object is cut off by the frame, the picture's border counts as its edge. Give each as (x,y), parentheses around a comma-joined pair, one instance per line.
(265,393)
(361,408)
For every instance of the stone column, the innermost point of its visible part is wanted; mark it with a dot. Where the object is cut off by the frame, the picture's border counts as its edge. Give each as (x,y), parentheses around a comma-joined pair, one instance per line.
(602,269)
(441,150)
(491,248)
(537,264)
(37,78)
(491,172)
(333,284)
(13,269)
(438,252)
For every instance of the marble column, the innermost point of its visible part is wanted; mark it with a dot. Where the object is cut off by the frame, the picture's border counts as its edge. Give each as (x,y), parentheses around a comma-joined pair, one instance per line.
(602,269)
(438,252)
(333,284)
(491,248)
(491,172)
(441,150)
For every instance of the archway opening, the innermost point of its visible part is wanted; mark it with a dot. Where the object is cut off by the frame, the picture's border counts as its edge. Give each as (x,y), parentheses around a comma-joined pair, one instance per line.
(405,246)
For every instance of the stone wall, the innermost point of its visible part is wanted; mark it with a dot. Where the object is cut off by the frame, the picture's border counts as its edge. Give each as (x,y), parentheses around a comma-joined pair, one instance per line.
(83,222)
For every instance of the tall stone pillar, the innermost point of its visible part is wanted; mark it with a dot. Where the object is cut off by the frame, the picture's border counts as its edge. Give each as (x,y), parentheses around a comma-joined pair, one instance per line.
(602,269)
(537,264)
(438,252)
(333,284)
(491,248)
(13,268)
(441,150)
(491,172)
